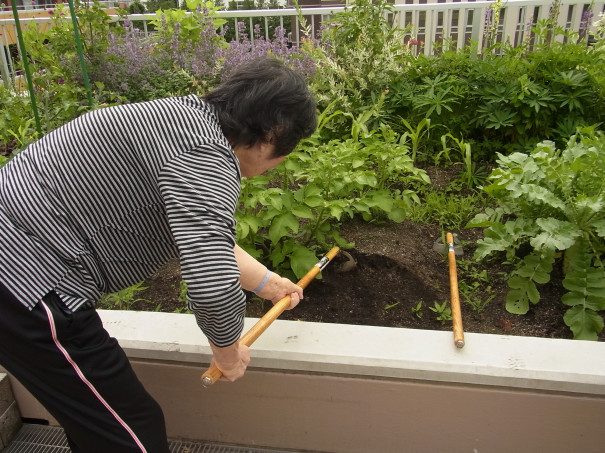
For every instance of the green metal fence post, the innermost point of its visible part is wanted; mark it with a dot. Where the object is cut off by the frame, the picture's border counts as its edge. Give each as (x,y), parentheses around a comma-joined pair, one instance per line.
(4,57)
(28,77)
(74,19)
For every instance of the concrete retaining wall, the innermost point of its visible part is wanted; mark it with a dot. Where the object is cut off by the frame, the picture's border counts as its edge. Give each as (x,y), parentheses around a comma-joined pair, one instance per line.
(358,389)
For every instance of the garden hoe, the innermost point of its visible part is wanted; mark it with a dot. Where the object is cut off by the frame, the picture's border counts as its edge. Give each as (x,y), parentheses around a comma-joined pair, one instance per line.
(213,373)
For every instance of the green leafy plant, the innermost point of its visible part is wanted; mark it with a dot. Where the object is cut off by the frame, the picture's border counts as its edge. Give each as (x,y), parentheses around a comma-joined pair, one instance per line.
(473,285)
(511,96)
(443,312)
(55,67)
(415,134)
(136,8)
(417,310)
(183,292)
(358,54)
(24,135)
(436,95)
(187,27)
(477,303)
(551,205)
(389,306)
(472,175)
(448,209)
(16,122)
(319,186)
(124,299)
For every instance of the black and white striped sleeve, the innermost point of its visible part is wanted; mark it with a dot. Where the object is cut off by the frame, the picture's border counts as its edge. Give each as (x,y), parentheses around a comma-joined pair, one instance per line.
(200,189)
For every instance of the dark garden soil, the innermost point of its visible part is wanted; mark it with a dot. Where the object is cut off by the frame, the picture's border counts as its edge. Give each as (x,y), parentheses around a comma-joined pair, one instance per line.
(395,268)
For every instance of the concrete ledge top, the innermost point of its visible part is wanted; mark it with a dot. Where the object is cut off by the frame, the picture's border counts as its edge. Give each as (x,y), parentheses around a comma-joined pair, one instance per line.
(379,352)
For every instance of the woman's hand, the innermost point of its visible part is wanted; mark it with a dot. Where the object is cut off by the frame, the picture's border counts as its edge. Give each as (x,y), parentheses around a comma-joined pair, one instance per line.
(270,286)
(231,360)
(278,287)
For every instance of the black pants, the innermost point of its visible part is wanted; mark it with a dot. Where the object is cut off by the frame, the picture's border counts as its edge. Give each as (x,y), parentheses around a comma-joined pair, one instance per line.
(81,375)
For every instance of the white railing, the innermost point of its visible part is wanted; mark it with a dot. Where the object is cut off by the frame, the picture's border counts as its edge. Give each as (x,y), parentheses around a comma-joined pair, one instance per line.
(458,22)
(38,5)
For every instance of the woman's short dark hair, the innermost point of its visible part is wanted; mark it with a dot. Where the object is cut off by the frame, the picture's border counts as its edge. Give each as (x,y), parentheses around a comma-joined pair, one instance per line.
(264,101)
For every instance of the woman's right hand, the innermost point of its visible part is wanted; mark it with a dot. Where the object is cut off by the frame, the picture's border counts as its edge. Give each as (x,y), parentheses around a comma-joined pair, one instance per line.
(231,360)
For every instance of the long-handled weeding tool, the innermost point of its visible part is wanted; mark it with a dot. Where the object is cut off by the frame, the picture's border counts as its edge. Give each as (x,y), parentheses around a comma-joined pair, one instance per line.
(454,294)
(213,373)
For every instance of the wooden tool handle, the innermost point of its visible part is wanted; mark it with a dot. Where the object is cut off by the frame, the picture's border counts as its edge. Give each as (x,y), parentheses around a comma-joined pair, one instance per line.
(213,374)
(455,294)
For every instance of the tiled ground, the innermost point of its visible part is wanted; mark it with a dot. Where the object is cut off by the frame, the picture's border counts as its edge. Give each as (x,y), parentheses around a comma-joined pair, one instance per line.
(50,439)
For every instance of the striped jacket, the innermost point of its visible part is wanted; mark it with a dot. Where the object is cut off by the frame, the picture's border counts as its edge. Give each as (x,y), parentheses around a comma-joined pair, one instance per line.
(102,202)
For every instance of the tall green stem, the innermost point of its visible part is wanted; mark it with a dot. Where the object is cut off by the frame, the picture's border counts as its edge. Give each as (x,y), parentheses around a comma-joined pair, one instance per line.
(74,20)
(28,77)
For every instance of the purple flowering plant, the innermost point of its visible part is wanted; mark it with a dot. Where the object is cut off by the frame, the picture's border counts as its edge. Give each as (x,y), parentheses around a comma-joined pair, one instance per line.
(246,49)
(187,53)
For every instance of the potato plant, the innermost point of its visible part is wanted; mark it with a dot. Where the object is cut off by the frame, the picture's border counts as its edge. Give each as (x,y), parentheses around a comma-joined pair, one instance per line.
(286,217)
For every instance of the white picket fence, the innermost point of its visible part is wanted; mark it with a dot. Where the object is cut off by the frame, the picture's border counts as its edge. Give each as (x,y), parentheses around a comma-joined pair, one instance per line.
(457,22)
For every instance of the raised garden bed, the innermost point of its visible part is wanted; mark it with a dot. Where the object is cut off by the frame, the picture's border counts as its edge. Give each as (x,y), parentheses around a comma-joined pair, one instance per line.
(397,268)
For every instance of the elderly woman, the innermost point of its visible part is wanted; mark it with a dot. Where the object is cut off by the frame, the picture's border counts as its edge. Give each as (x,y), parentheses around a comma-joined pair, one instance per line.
(103,201)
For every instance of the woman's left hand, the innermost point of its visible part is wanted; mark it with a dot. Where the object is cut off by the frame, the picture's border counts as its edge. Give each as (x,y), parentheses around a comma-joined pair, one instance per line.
(279,287)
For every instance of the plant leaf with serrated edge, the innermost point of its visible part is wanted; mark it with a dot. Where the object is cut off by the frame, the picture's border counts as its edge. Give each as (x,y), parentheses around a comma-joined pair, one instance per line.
(495,239)
(556,234)
(534,192)
(526,286)
(584,323)
(599,227)
(586,286)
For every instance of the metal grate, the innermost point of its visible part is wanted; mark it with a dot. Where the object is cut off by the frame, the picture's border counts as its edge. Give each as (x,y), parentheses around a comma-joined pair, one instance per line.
(227,449)
(38,439)
(185,447)
(50,439)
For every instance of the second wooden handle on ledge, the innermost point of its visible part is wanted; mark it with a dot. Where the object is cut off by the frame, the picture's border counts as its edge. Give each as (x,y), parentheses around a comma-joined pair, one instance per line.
(455,294)
(213,374)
